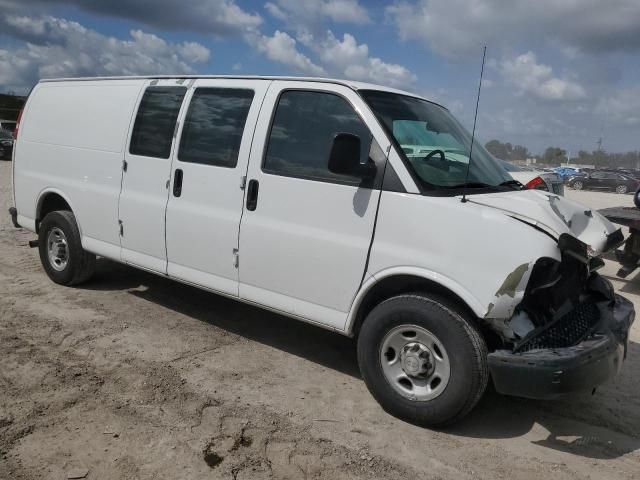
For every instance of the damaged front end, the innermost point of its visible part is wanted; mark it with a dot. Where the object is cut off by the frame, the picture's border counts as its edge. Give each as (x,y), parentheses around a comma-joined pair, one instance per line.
(562,327)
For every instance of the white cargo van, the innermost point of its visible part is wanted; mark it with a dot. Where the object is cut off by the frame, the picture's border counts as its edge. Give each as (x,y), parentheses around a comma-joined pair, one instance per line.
(351,206)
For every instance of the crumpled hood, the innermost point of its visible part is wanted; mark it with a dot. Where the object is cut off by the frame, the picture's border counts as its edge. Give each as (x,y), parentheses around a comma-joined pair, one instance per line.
(553,213)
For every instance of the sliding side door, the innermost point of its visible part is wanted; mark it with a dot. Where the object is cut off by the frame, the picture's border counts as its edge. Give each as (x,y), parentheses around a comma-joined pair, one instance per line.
(146,173)
(207,180)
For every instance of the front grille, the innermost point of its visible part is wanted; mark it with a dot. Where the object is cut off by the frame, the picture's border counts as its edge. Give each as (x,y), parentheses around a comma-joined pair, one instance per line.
(567,331)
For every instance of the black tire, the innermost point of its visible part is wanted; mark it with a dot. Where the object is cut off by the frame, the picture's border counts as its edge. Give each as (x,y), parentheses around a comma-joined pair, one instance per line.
(466,349)
(636,198)
(80,264)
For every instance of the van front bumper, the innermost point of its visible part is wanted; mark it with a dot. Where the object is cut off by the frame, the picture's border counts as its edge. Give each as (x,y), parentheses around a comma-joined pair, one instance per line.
(552,373)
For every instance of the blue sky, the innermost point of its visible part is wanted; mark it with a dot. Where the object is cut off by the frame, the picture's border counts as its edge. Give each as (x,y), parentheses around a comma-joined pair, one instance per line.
(559,72)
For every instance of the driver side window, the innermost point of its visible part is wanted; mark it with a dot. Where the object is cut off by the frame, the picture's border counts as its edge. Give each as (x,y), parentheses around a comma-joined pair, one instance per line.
(302,132)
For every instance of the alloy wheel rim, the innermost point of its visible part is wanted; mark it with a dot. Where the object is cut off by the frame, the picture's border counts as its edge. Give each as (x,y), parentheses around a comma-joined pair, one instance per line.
(621,189)
(415,363)
(57,249)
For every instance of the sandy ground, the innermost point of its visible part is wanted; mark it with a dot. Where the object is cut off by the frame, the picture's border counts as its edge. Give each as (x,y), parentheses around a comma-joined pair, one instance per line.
(134,376)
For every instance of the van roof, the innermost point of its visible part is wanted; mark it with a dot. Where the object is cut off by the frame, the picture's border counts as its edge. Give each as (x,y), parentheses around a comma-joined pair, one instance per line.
(348,83)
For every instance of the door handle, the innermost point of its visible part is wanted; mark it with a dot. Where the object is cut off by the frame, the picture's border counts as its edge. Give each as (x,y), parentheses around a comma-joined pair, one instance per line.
(252,195)
(177,182)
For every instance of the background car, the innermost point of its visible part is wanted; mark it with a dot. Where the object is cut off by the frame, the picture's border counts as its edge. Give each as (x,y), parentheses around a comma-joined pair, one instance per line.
(8,125)
(624,171)
(566,172)
(536,179)
(6,144)
(602,180)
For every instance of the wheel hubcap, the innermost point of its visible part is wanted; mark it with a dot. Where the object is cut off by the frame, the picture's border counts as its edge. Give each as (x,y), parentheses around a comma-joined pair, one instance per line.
(57,249)
(414,362)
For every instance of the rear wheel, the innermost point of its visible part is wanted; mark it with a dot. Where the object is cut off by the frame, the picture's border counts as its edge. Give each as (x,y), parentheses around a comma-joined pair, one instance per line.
(622,189)
(61,252)
(423,361)
(636,198)
(577,185)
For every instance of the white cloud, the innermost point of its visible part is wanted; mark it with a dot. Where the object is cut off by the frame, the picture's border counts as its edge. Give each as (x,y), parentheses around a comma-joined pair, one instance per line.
(458,27)
(27,25)
(352,60)
(622,107)
(214,17)
(275,11)
(57,47)
(512,123)
(343,58)
(67,49)
(305,13)
(537,79)
(194,52)
(281,48)
(345,11)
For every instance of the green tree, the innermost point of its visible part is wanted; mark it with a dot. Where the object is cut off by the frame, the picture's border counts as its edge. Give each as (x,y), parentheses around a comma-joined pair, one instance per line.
(498,149)
(600,159)
(519,153)
(554,155)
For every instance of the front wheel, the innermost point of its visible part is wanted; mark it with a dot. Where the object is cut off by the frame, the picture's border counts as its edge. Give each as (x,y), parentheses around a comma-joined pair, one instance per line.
(577,185)
(61,252)
(622,189)
(423,361)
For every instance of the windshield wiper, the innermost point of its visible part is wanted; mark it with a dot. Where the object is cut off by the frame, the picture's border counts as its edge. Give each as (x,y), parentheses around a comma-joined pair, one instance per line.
(512,183)
(472,185)
(508,183)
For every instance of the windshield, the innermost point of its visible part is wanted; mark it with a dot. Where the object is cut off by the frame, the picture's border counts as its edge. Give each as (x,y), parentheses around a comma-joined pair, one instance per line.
(435,146)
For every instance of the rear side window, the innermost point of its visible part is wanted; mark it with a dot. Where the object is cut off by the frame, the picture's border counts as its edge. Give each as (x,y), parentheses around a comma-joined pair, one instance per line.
(214,125)
(302,133)
(156,121)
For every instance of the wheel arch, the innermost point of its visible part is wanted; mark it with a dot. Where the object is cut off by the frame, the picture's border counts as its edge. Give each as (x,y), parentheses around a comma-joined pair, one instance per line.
(50,200)
(396,281)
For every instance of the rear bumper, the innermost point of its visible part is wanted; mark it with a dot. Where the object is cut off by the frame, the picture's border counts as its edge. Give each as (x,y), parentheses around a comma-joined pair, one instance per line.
(552,373)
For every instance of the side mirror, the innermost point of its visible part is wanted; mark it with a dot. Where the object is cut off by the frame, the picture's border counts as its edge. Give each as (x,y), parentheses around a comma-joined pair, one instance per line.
(344,158)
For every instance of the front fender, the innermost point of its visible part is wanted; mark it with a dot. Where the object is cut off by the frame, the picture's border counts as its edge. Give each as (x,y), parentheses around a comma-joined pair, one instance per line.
(373,279)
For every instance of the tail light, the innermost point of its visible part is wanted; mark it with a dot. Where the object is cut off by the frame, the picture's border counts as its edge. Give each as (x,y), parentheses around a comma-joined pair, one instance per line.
(538,184)
(15,132)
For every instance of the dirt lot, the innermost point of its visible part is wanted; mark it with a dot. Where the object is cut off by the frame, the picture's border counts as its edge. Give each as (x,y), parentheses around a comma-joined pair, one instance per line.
(134,376)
